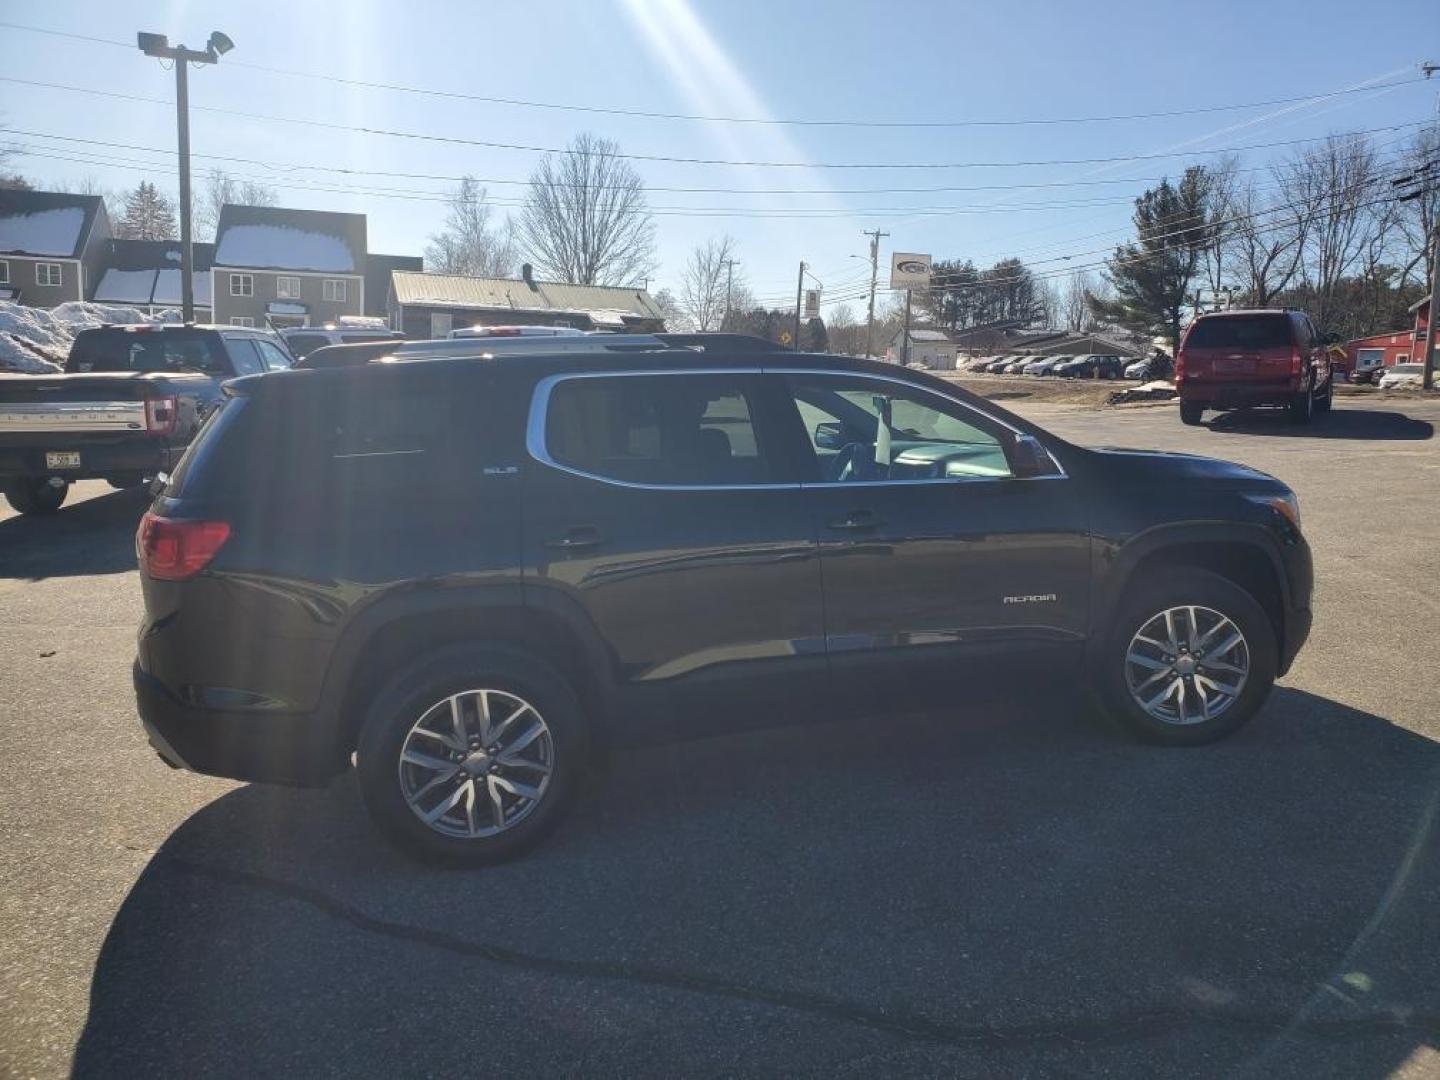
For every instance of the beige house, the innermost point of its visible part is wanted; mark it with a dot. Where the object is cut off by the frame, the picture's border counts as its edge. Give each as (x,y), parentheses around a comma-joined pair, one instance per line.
(281,267)
(52,246)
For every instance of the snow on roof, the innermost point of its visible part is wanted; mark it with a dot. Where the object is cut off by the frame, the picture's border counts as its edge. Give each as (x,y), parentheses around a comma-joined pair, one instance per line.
(285,307)
(45,232)
(282,247)
(167,287)
(125,286)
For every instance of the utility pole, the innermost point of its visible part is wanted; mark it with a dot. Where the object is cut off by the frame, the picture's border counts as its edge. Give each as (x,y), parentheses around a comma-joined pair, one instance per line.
(158,46)
(905,350)
(799,294)
(729,281)
(1418,183)
(875,235)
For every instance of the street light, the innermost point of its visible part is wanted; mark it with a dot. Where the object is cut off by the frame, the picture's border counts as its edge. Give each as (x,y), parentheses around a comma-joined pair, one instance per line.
(158,46)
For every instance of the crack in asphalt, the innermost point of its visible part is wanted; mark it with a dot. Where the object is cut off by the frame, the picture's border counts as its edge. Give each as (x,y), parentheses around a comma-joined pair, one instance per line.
(1120,1027)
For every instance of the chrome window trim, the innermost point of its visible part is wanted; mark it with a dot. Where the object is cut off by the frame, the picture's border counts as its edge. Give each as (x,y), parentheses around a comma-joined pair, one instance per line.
(540,406)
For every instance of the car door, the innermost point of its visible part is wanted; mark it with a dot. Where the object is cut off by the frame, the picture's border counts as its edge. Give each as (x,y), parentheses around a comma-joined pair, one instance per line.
(659,511)
(941,568)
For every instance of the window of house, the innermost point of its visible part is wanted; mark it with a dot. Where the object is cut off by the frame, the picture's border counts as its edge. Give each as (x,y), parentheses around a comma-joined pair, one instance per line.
(441,323)
(47,273)
(242,285)
(665,430)
(287,288)
(870,430)
(335,289)
(241,320)
(4,272)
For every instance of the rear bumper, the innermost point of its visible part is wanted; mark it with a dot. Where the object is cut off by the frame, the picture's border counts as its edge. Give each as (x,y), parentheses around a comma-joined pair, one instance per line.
(1236,395)
(97,459)
(257,745)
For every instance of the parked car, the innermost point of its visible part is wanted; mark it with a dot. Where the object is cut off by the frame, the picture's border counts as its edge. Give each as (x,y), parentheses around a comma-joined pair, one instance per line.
(1045,365)
(1261,357)
(1091,366)
(1000,363)
(979,363)
(303,340)
(469,575)
(515,331)
(126,407)
(1398,376)
(1017,364)
(1147,368)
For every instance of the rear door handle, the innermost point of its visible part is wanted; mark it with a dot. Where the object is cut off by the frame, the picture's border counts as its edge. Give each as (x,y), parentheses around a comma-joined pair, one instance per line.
(582,536)
(858,520)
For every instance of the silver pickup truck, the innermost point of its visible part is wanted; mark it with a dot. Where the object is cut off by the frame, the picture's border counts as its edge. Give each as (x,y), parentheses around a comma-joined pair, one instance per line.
(130,401)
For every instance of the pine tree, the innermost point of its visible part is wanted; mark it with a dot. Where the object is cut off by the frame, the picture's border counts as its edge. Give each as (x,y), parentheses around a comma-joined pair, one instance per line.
(149,215)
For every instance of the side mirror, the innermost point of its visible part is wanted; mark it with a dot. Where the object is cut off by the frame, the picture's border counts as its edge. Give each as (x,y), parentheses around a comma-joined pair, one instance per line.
(830,435)
(1029,458)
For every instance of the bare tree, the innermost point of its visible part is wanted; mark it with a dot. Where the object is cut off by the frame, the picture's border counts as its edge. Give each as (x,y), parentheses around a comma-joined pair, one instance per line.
(1266,242)
(847,335)
(1416,218)
(114,200)
(670,310)
(1332,188)
(469,244)
(703,285)
(1075,304)
(219,188)
(585,219)
(1222,195)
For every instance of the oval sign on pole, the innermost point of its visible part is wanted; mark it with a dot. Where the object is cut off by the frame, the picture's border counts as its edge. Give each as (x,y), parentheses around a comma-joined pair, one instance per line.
(909,271)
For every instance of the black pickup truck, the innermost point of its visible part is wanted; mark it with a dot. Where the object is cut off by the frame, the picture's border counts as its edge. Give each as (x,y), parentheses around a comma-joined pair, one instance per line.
(130,401)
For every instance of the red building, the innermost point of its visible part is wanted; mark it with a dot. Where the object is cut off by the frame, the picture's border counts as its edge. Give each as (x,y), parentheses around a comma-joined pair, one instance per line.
(1379,350)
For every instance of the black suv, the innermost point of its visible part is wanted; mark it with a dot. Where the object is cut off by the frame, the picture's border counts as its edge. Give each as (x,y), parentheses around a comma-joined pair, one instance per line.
(468,575)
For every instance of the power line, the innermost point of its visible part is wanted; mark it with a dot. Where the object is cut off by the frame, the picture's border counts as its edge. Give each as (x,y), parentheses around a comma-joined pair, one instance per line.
(649,114)
(675,159)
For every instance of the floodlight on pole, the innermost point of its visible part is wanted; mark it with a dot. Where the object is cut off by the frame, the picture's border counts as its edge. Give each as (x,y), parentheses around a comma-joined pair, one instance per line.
(158,46)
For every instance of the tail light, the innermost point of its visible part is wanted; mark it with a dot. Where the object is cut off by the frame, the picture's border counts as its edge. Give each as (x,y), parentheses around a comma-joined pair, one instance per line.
(1179,367)
(1296,362)
(161,414)
(174,550)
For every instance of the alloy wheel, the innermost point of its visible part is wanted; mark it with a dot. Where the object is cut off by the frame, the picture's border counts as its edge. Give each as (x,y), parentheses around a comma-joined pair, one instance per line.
(476,763)
(1187,665)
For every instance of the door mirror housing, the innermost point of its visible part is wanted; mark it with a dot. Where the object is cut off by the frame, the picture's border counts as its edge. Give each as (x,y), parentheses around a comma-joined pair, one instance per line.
(830,435)
(1029,458)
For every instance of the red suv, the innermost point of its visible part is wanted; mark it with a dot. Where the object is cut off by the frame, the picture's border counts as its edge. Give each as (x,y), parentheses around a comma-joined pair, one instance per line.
(1237,358)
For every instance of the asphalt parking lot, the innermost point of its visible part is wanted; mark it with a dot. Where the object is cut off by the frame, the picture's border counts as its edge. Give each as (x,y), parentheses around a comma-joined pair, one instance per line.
(1001,890)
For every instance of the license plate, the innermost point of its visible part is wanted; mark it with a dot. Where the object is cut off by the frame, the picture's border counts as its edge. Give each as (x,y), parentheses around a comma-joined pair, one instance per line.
(1234,365)
(62,459)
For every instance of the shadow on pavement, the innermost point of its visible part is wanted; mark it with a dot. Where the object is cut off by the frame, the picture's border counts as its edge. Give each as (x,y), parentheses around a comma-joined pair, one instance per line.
(96,536)
(995,894)
(1341,423)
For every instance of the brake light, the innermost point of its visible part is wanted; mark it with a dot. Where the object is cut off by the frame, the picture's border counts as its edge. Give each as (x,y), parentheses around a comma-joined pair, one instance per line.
(161,414)
(173,550)
(1296,361)
(1179,367)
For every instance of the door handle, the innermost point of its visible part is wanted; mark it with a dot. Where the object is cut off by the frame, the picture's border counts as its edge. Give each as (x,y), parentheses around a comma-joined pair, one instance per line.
(858,520)
(582,536)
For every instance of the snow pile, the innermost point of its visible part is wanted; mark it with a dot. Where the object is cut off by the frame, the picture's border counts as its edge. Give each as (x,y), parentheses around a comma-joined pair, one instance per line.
(45,232)
(279,246)
(37,341)
(363,322)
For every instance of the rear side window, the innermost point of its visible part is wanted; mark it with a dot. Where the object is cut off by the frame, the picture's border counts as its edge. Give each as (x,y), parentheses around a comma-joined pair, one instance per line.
(144,350)
(1240,332)
(243,355)
(661,429)
(304,344)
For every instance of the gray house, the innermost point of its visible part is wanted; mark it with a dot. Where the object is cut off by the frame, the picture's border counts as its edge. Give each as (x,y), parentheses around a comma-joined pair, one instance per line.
(145,274)
(282,267)
(52,246)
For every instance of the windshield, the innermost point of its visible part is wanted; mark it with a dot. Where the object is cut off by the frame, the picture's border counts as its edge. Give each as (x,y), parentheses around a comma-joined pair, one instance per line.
(122,350)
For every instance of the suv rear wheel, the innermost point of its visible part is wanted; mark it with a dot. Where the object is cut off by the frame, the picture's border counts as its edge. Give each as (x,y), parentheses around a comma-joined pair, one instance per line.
(469,756)
(1302,405)
(1191,412)
(1191,659)
(36,496)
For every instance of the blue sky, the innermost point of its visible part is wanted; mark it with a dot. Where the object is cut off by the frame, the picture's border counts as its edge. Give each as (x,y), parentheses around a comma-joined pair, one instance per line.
(845,60)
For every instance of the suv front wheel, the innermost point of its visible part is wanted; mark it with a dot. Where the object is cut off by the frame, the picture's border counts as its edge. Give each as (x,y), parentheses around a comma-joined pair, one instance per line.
(1191,659)
(469,756)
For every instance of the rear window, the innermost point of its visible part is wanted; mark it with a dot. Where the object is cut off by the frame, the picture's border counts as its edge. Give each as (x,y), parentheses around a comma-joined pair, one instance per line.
(305,344)
(1240,332)
(144,350)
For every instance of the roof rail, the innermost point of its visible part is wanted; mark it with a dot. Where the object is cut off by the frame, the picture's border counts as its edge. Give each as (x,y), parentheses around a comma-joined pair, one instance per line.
(355,355)
(731,342)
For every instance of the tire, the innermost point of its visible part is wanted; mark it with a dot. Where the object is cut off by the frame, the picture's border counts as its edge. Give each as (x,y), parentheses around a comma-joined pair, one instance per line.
(125,481)
(35,497)
(1213,598)
(1302,406)
(510,679)
(1327,400)
(1191,412)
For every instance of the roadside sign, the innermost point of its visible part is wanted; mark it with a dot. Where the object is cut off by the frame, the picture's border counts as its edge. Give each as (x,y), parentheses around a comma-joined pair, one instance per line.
(785,337)
(812,303)
(909,271)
